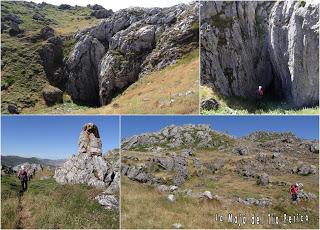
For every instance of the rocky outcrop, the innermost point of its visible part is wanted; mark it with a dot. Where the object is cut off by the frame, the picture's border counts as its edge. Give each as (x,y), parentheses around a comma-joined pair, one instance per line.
(91,168)
(51,55)
(128,44)
(271,44)
(177,137)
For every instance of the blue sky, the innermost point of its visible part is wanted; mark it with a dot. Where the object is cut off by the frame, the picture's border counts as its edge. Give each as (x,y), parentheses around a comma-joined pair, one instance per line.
(306,127)
(53,137)
(116,5)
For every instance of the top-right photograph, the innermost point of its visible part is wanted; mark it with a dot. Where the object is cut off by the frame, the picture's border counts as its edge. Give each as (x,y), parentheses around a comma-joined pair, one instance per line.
(259,57)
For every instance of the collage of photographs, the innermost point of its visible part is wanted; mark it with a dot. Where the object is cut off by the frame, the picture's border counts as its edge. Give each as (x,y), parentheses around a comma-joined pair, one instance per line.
(159,114)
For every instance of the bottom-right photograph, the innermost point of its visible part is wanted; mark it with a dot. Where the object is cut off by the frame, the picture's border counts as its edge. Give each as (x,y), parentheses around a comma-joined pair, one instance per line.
(220,172)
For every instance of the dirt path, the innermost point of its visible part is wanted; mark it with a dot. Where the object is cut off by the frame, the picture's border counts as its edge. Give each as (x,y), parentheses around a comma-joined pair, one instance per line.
(24,215)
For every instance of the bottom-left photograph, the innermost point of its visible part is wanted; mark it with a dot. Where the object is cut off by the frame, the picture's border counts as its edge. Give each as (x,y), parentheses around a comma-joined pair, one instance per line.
(60,172)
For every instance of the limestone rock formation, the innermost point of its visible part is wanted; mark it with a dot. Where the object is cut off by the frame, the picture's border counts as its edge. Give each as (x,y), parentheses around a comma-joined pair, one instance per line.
(91,168)
(272,44)
(177,137)
(51,54)
(128,44)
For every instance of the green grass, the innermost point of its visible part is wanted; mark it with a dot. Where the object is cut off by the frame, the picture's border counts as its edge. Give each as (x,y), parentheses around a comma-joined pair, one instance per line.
(52,205)
(10,187)
(240,105)
(25,84)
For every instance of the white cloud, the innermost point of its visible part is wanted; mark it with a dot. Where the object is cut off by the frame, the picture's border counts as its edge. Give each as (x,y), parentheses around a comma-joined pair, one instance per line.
(117,4)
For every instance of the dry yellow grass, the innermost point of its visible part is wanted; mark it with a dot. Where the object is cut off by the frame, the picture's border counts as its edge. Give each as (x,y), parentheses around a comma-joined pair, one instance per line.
(144,206)
(152,93)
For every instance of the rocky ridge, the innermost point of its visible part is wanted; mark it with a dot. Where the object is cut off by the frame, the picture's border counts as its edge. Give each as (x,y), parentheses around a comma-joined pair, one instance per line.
(91,168)
(272,44)
(178,137)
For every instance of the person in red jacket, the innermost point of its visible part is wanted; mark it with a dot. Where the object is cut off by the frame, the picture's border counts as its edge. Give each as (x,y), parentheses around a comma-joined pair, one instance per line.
(294,192)
(23,176)
(259,95)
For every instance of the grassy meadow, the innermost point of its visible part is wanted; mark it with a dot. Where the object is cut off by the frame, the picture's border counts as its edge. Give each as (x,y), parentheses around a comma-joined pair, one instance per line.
(47,204)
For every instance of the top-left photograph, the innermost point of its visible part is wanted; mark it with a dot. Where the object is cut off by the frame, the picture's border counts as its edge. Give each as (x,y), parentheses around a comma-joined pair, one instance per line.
(102,57)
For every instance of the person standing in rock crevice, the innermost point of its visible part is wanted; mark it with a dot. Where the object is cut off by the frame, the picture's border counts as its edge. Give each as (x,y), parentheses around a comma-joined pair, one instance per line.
(259,94)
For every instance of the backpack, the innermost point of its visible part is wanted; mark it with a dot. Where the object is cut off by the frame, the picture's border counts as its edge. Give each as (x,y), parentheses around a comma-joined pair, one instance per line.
(24,175)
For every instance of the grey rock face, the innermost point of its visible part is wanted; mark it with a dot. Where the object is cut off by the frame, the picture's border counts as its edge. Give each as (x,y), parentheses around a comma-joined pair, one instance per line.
(271,44)
(111,56)
(89,140)
(83,65)
(51,55)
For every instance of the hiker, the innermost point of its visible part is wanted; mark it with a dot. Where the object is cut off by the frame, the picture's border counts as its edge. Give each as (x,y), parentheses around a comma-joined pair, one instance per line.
(34,171)
(23,176)
(259,95)
(294,192)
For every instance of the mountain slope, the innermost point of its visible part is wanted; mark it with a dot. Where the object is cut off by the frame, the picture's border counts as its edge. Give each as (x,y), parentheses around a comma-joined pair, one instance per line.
(77,61)
(12,161)
(173,90)
(22,87)
(190,182)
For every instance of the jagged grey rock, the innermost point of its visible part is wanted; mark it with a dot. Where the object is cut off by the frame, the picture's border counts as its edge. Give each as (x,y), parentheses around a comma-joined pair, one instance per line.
(91,168)
(271,44)
(125,46)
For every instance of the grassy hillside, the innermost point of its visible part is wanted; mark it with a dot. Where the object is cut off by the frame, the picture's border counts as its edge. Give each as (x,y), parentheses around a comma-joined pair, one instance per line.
(22,73)
(142,203)
(47,204)
(173,90)
(237,105)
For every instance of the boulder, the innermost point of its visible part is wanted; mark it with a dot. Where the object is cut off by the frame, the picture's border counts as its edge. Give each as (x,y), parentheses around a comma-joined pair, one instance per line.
(13,108)
(207,195)
(163,188)
(64,7)
(171,198)
(108,201)
(215,165)
(46,32)
(263,179)
(210,104)
(173,188)
(52,95)
(14,29)
(39,17)
(177,225)
(305,170)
